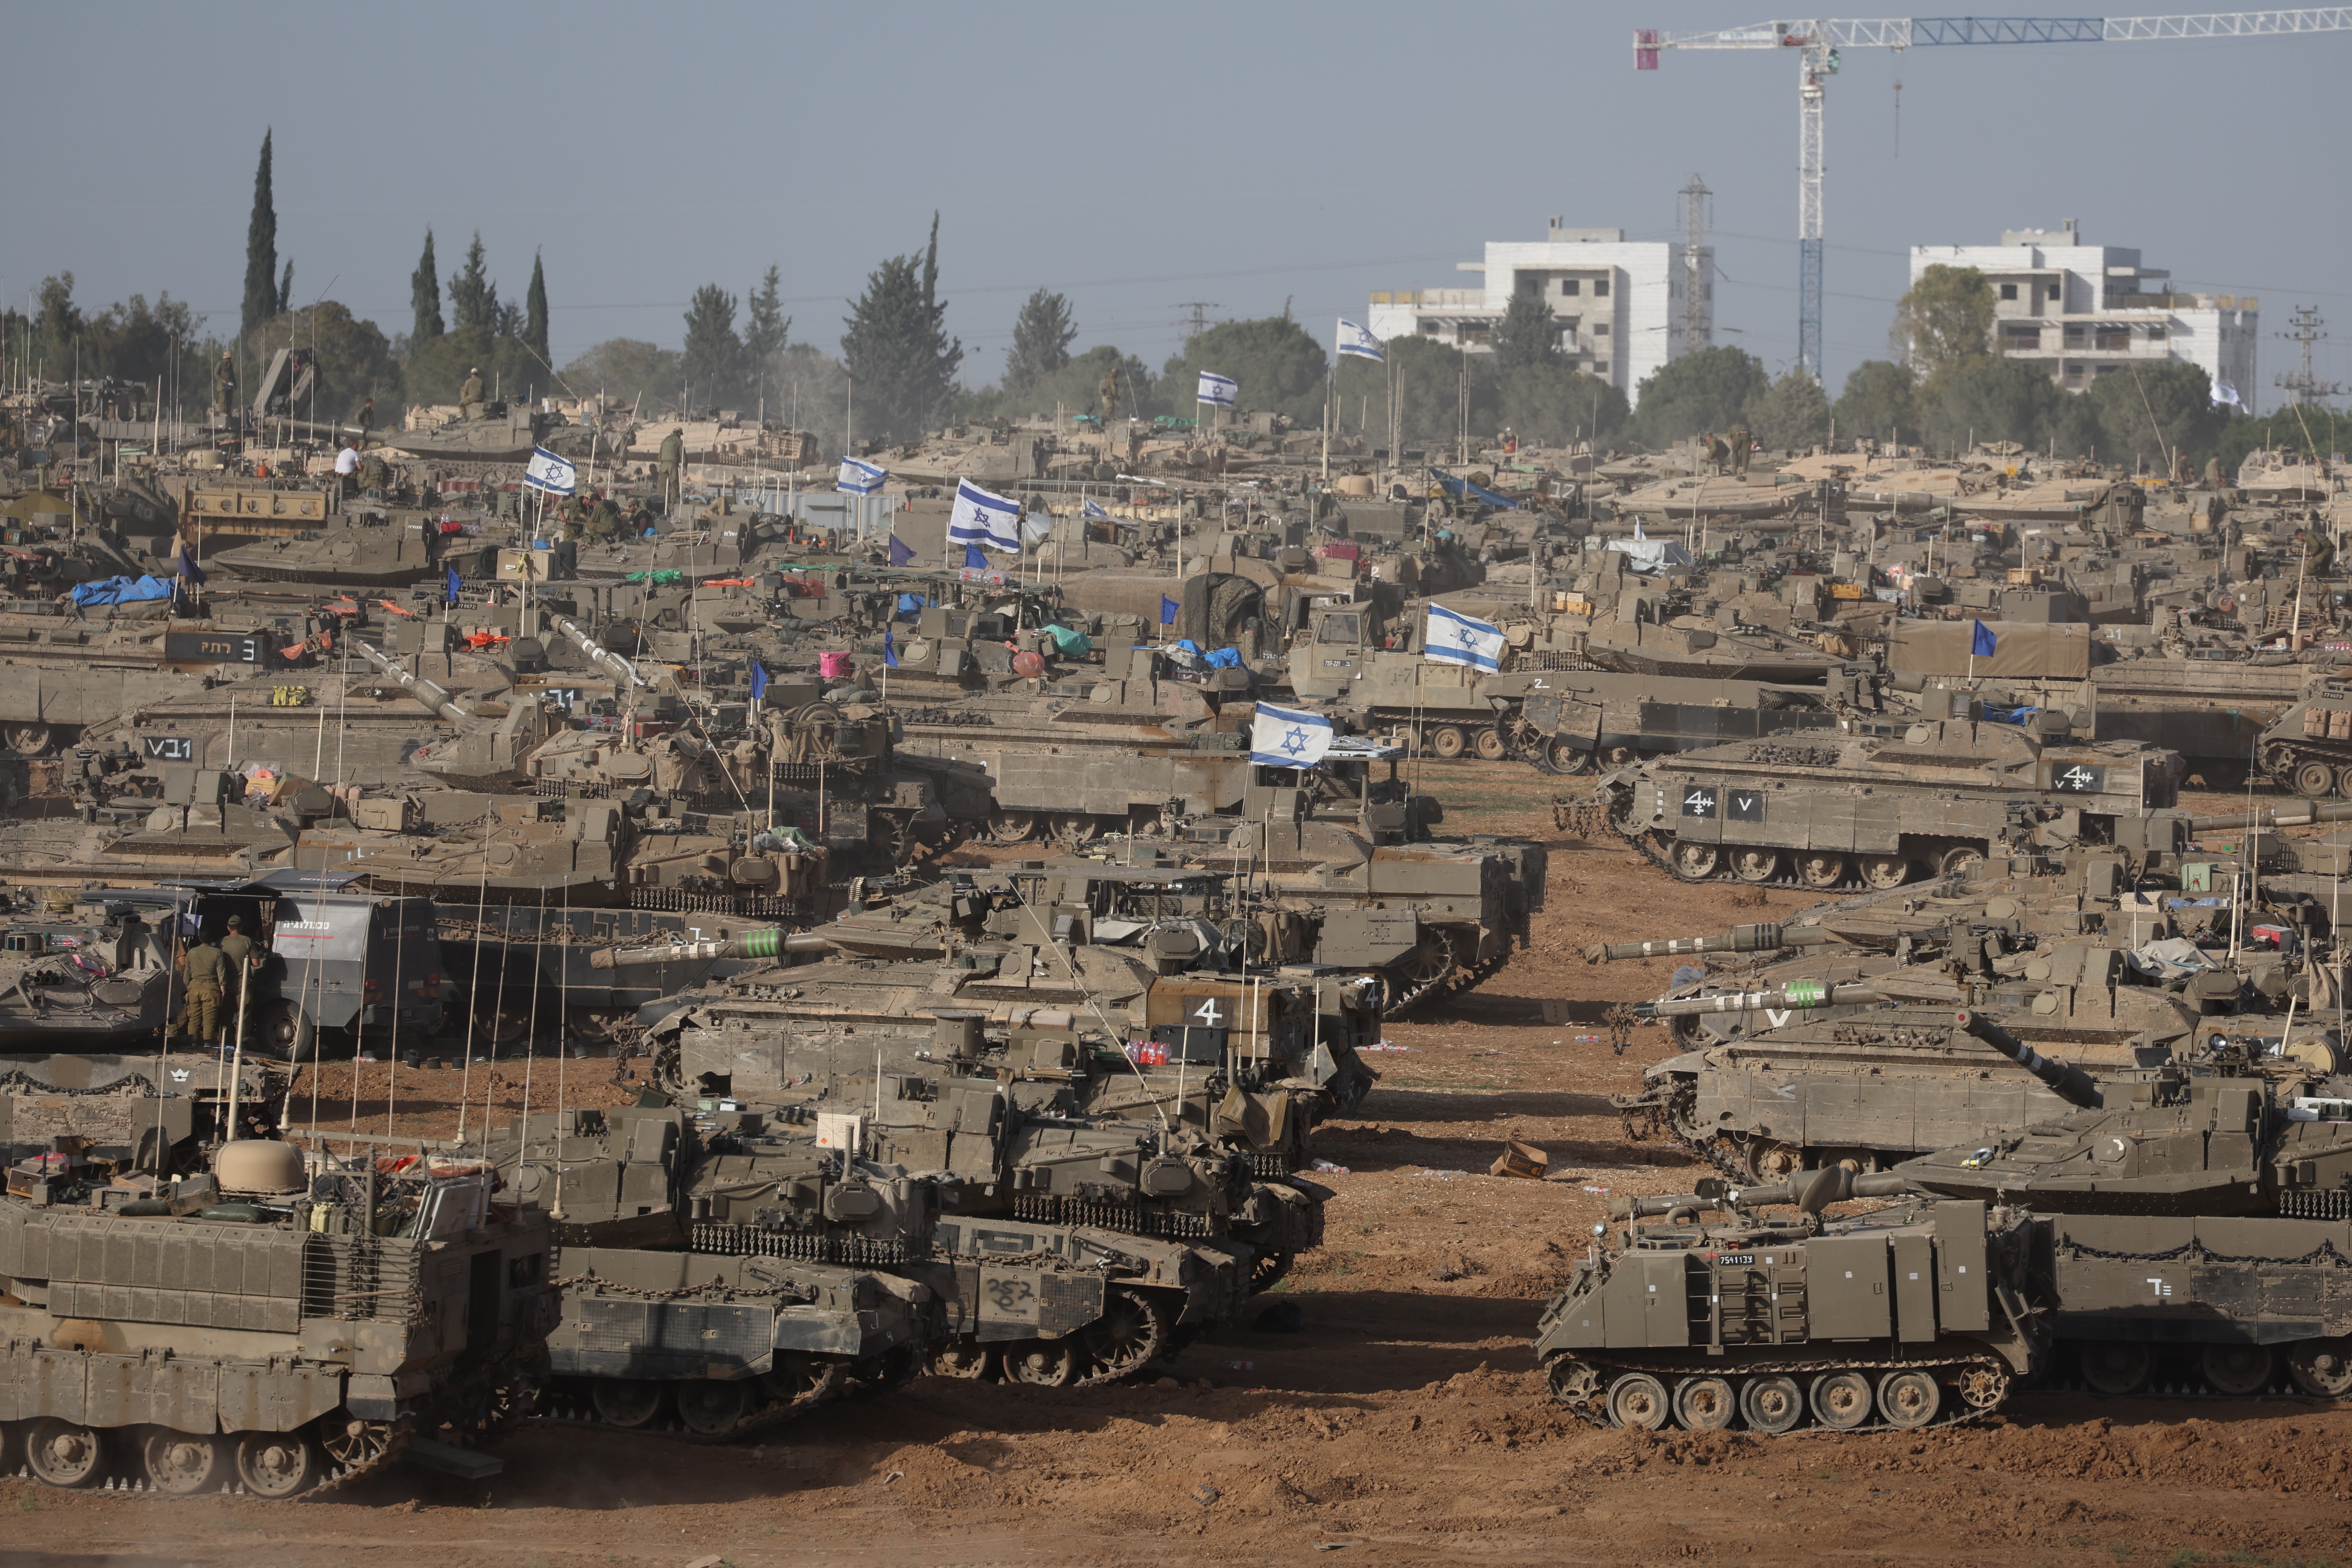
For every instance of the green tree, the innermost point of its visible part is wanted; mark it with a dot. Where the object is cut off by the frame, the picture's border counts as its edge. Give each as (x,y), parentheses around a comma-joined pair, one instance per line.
(1709,390)
(434,372)
(1527,335)
(260,248)
(1278,364)
(1791,414)
(628,370)
(1075,387)
(354,357)
(766,329)
(1041,341)
(2145,413)
(1947,315)
(1878,403)
(473,297)
(1983,397)
(425,298)
(2305,428)
(1551,402)
(712,365)
(897,348)
(1429,378)
(59,322)
(534,324)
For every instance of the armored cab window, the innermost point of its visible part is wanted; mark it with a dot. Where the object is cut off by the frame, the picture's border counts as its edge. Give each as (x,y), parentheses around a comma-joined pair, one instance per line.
(1341,628)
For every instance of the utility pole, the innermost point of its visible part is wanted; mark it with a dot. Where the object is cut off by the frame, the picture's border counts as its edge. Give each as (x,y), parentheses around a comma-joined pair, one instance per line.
(1199,308)
(2304,385)
(1698,309)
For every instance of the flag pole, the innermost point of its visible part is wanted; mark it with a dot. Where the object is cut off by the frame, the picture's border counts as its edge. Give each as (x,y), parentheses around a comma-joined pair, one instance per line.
(1330,390)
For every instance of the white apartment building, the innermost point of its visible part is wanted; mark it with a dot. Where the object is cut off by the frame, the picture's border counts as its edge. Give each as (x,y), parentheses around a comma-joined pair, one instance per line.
(1619,303)
(2087,311)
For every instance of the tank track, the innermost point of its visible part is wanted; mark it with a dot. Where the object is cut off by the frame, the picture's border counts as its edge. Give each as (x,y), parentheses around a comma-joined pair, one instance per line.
(1957,1413)
(768,1417)
(116,1483)
(1457,978)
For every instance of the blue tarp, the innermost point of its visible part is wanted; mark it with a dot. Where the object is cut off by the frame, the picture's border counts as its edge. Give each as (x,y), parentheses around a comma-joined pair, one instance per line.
(1463,489)
(122,591)
(1222,659)
(1072,644)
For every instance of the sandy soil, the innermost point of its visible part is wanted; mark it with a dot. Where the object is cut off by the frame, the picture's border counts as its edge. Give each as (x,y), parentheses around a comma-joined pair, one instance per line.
(1406,1421)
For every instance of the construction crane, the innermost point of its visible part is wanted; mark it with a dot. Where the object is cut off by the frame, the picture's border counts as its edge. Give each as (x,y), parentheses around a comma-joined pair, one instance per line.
(1817,44)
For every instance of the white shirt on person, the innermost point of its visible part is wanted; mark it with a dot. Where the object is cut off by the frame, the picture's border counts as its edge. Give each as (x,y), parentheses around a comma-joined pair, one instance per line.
(346,461)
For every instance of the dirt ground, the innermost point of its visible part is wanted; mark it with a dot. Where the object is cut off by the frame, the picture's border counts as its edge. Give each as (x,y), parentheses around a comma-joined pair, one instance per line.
(1404,1424)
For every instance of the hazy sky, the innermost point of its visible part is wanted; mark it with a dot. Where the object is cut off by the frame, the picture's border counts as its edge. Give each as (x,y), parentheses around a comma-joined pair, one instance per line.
(1132,157)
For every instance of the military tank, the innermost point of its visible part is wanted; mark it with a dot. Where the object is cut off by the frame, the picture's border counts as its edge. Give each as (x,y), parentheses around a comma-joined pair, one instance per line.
(726,1340)
(353,551)
(1820,811)
(372,1313)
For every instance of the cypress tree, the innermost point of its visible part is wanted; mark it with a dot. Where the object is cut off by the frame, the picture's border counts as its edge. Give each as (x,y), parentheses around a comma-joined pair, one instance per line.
(896,346)
(425,298)
(473,298)
(261,249)
(534,325)
(286,288)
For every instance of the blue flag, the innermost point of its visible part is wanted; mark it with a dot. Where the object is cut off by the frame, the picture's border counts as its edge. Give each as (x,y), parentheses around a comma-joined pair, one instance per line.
(189,569)
(450,585)
(1168,608)
(1093,511)
(758,680)
(889,649)
(1980,641)
(900,551)
(974,559)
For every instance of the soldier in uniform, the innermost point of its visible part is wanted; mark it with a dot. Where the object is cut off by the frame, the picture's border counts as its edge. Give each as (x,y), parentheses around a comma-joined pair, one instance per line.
(1717,453)
(1740,441)
(469,396)
(204,967)
(236,950)
(671,459)
(2213,472)
(366,422)
(2319,552)
(224,386)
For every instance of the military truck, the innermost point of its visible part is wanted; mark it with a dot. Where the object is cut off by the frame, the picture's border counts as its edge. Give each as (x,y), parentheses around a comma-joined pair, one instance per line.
(1817,810)
(260,1323)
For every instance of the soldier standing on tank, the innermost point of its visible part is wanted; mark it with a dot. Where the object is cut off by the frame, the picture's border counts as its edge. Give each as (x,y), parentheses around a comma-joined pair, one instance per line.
(1718,452)
(671,458)
(1740,441)
(224,387)
(366,421)
(2213,472)
(469,396)
(2319,553)
(205,967)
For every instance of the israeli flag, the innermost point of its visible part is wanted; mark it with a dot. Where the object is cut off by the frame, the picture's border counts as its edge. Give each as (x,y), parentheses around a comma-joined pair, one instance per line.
(1220,390)
(1452,639)
(1091,511)
(859,478)
(1359,342)
(548,472)
(1288,737)
(984,517)
(2224,394)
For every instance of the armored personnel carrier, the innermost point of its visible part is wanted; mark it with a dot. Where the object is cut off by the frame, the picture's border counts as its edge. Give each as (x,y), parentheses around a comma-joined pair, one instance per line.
(259,1324)
(1820,810)
(2308,748)
(1907,1317)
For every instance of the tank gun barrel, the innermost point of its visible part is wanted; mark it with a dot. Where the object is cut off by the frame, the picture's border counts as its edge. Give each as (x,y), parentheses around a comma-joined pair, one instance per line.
(437,697)
(1812,1191)
(769,941)
(1795,994)
(2275,817)
(602,658)
(1765,937)
(2063,1078)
